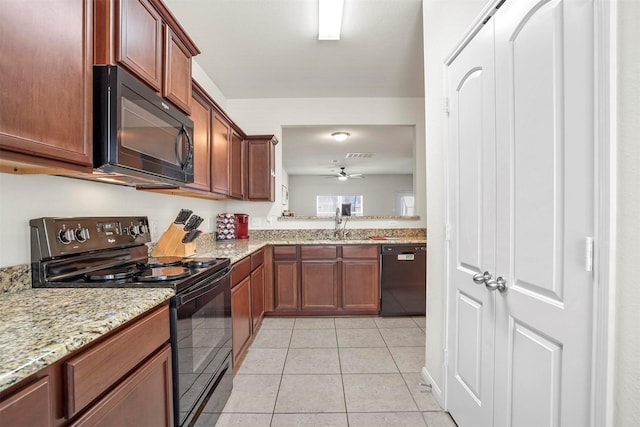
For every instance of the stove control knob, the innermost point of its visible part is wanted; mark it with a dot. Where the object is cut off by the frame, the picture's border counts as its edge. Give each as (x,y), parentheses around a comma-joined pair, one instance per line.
(66,236)
(82,234)
(133,231)
(143,229)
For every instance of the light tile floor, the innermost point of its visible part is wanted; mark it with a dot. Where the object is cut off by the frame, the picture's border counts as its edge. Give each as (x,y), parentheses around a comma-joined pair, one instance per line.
(333,372)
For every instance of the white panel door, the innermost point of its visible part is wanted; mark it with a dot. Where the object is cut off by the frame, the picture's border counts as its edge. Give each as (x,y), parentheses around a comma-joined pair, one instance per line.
(544,98)
(472,207)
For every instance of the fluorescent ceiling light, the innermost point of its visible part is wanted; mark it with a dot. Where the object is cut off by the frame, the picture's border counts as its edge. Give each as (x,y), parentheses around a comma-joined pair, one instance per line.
(329,19)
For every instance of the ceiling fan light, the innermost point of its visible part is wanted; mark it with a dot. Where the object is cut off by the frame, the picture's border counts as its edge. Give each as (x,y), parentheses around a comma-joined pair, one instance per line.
(340,136)
(329,19)
(342,178)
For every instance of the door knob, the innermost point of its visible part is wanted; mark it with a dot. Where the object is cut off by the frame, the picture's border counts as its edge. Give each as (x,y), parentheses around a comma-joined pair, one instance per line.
(481,278)
(500,284)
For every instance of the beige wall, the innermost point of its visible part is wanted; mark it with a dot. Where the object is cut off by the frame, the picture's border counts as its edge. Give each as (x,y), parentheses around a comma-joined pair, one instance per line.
(627,306)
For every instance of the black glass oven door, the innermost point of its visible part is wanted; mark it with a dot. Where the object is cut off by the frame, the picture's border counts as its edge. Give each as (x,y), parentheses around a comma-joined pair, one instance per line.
(202,342)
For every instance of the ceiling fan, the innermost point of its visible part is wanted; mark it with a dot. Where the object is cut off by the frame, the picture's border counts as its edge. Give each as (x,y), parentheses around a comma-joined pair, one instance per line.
(343,176)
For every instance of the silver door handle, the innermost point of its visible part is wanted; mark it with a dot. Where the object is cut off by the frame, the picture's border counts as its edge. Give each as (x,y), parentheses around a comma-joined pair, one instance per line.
(500,284)
(481,278)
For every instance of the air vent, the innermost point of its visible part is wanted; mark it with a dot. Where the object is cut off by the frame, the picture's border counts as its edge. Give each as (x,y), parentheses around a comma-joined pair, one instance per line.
(360,155)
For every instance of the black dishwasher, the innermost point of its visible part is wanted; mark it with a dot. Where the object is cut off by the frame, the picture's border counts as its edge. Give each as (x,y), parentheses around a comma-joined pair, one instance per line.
(403,280)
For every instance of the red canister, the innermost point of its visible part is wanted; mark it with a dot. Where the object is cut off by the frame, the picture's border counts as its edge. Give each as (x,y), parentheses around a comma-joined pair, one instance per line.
(242,226)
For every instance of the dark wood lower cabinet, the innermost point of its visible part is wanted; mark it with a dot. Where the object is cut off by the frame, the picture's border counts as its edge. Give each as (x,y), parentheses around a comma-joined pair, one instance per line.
(360,285)
(123,379)
(319,285)
(257,295)
(247,302)
(326,279)
(241,317)
(31,406)
(285,281)
(143,399)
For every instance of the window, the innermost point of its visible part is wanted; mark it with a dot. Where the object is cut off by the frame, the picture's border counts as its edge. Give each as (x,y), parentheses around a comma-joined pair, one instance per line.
(405,204)
(326,205)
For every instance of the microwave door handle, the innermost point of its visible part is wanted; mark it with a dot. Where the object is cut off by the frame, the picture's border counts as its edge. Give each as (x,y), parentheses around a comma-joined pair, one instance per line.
(189,157)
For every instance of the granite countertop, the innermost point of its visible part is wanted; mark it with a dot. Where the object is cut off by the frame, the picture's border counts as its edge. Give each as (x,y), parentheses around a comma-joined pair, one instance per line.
(238,249)
(40,326)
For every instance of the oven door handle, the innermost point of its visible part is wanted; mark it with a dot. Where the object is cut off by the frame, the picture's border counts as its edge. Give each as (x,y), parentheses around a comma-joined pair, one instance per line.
(201,290)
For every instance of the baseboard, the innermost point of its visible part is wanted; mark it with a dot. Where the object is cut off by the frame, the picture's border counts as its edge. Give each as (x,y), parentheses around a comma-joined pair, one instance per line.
(435,390)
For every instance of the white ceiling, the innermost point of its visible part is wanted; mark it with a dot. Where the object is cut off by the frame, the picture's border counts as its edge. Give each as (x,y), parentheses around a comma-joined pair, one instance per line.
(270,49)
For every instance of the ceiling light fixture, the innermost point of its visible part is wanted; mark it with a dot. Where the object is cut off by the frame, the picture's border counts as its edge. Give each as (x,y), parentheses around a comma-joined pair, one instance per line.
(329,19)
(340,136)
(342,178)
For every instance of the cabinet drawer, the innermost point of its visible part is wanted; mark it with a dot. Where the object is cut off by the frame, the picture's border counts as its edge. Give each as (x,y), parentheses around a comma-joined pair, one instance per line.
(318,252)
(360,251)
(241,269)
(96,370)
(257,259)
(30,406)
(143,399)
(286,252)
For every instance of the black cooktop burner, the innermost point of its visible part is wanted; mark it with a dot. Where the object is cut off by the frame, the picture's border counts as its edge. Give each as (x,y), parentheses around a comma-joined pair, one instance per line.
(110,274)
(199,262)
(162,261)
(162,274)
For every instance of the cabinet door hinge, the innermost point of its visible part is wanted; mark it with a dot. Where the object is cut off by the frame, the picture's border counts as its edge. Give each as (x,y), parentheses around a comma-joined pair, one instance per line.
(446,106)
(447,232)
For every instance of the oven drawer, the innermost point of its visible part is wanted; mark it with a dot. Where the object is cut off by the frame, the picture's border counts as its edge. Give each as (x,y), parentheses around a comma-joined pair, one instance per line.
(96,370)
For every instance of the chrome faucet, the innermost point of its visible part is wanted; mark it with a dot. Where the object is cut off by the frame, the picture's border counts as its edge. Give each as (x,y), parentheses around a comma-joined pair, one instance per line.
(338,232)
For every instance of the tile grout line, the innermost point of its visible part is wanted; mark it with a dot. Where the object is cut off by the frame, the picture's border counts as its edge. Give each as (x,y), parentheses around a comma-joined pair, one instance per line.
(273,411)
(344,390)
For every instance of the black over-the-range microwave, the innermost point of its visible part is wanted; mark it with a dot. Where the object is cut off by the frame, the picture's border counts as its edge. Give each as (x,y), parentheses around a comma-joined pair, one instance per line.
(139,138)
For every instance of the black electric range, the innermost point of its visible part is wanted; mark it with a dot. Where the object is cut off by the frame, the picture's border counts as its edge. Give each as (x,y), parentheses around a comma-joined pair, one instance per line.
(92,252)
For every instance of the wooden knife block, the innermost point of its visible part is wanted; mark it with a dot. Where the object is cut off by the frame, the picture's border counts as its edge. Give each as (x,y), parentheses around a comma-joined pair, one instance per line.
(170,243)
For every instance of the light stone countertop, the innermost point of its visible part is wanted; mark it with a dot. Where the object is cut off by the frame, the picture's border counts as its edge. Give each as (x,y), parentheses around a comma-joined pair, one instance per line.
(238,249)
(40,326)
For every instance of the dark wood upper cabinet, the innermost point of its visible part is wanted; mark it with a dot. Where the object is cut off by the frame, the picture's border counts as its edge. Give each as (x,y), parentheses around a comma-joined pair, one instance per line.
(145,38)
(261,170)
(177,71)
(220,152)
(47,85)
(139,42)
(201,116)
(237,173)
